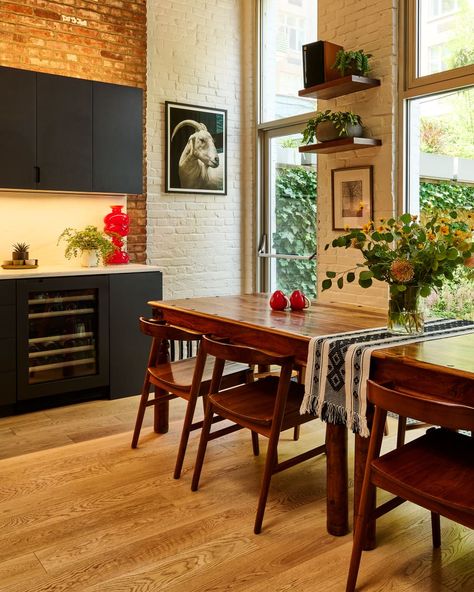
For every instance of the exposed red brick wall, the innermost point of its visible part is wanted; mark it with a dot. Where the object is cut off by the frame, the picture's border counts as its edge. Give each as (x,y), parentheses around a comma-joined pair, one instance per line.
(110,48)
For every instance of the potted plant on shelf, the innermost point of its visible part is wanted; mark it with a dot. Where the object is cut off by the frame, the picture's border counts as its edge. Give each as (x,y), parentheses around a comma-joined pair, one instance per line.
(352,62)
(411,257)
(92,244)
(331,125)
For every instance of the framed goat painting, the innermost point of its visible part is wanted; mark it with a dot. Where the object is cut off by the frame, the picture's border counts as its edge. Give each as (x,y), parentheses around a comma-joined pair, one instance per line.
(196,149)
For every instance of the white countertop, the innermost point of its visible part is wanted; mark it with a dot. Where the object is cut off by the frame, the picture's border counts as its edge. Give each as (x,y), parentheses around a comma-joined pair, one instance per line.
(65,270)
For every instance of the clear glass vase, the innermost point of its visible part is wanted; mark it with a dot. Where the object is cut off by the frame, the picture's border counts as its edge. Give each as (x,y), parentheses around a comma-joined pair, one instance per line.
(405,314)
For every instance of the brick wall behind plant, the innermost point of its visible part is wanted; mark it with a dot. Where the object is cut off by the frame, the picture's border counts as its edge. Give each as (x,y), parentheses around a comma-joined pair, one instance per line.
(110,47)
(370,25)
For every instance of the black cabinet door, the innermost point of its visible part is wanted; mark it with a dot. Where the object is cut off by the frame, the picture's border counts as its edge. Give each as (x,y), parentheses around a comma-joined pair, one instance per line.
(17,128)
(64,133)
(117,139)
(129,294)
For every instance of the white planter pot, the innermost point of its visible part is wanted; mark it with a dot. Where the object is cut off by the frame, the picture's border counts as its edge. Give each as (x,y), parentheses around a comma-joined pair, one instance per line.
(90,258)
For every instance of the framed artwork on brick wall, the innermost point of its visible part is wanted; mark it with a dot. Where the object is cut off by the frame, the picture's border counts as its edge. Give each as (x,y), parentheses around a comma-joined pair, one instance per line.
(352,197)
(196,149)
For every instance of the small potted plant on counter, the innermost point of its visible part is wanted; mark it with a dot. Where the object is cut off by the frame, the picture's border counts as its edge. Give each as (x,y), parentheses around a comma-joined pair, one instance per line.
(331,125)
(352,62)
(20,253)
(92,244)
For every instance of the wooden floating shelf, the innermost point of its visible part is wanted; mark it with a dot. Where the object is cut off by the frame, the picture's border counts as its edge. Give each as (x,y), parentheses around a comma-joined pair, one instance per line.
(341,145)
(339,87)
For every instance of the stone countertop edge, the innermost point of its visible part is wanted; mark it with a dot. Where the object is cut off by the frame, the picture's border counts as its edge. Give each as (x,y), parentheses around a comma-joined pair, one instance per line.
(65,270)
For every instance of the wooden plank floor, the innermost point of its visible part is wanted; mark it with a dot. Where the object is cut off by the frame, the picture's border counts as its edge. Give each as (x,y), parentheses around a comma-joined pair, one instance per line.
(82,512)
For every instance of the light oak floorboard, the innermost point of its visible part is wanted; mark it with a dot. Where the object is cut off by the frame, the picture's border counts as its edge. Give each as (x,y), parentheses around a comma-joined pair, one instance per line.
(82,512)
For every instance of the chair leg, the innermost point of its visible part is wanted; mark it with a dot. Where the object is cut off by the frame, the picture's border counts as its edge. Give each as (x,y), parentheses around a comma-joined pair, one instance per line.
(141,411)
(296,433)
(435,530)
(186,430)
(267,476)
(161,413)
(205,431)
(255,444)
(402,428)
(361,521)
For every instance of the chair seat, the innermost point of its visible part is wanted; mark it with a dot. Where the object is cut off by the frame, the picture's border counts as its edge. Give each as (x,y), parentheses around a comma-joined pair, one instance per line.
(255,402)
(408,471)
(179,375)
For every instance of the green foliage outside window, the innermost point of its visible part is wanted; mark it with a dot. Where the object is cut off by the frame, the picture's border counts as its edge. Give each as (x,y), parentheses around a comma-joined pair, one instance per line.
(296,228)
(455,298)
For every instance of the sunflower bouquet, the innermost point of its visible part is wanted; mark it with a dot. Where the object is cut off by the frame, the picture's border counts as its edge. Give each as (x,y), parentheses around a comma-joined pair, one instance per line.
(412,257)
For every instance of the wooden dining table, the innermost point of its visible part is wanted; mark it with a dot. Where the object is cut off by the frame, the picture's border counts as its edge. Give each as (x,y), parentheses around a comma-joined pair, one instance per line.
(444,366)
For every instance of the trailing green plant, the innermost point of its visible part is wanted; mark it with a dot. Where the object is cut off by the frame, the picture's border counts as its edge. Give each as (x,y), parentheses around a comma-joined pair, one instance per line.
(354,62)
(295,212)
(342,120)
(89,239)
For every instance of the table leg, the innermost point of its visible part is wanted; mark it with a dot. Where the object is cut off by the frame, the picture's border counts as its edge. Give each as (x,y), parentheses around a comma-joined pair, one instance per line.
(337,480)
(360,458)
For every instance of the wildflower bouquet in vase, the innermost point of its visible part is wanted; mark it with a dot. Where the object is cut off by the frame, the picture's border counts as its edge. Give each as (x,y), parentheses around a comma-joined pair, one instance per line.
(413,258)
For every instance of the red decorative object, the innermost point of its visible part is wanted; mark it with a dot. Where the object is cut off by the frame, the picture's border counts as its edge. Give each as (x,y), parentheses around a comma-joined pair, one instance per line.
(117,225)
(278,300)
(298,301)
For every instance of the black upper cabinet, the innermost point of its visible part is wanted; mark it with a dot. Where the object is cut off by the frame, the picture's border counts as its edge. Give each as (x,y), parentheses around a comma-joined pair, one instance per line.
(117,148)
(64,133)
(17,128)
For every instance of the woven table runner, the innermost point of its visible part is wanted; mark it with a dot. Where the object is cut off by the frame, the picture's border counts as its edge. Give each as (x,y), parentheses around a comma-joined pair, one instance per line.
(339,365)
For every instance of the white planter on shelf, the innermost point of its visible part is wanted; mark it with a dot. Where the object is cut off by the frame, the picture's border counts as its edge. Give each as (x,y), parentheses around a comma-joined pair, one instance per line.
(90,258)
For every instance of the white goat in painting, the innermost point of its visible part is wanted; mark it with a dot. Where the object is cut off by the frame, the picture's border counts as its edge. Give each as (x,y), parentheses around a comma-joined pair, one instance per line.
(199,166)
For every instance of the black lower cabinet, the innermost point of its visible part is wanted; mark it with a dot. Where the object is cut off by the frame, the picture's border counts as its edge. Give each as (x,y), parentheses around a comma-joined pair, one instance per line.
(129,294)
(75,337)
(7,342)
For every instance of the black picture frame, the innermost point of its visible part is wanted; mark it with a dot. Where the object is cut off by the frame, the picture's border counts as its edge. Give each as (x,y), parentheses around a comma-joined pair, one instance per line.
(206,153)
(352,197)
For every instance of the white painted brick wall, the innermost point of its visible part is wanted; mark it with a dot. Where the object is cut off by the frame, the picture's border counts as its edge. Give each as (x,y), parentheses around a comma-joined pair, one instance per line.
(370,25)
(201,52)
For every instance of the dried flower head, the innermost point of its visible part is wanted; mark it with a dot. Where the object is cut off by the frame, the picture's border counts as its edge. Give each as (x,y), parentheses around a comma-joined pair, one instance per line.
(402,271)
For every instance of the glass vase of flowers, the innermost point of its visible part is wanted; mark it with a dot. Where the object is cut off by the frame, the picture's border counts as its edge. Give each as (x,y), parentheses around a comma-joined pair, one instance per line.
(414,258)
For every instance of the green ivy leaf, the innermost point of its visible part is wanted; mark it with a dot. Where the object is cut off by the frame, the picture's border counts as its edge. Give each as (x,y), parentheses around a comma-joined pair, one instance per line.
(366,275)
(405,218)
(326,284)
(330,274)
(340,282)
(365,283)
(350,277)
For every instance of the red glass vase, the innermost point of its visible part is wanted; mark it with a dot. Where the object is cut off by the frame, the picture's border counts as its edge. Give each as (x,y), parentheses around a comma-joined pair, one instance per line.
(117,225)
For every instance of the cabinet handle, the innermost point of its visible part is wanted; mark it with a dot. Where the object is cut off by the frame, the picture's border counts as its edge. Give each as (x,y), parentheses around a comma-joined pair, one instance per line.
(38,174)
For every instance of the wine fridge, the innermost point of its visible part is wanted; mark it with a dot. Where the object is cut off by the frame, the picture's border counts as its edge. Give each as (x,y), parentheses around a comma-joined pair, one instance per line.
(63,335)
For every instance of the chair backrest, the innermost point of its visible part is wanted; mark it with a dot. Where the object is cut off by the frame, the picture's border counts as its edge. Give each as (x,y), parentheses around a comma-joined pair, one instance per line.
(241,353)
(161,330)
(422,406)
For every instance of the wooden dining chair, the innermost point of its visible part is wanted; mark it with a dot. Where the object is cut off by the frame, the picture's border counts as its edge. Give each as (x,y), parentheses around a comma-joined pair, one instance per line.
(175,379)
(266,406)
(435,471)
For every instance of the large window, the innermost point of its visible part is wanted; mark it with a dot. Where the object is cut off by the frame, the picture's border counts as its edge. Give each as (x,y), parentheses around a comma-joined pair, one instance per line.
(287,230)
(440,127)
(285,26)
(440,41)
